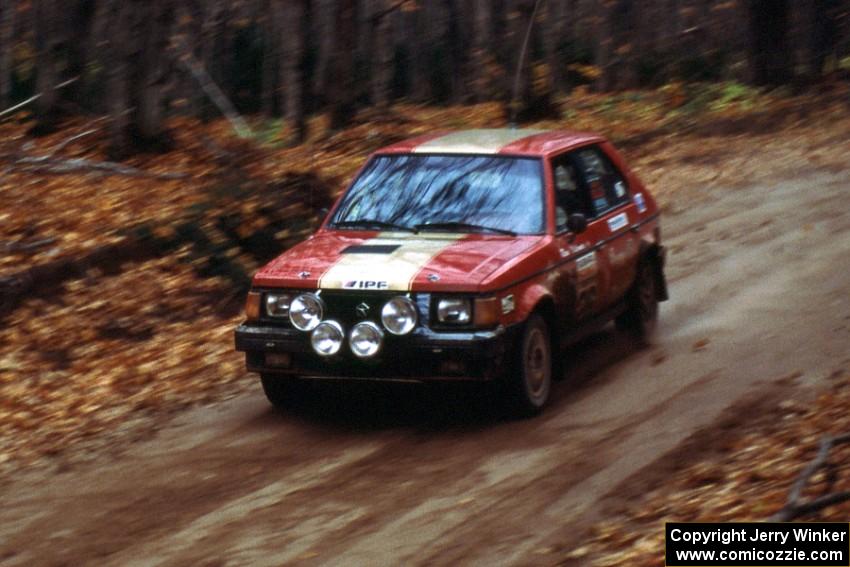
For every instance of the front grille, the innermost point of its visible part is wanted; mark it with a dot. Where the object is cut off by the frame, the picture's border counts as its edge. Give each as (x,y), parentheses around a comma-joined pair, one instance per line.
(341,306)
(350,308)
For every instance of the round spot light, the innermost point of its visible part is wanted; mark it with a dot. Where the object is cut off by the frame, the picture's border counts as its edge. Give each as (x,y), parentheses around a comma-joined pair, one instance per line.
(366,339)
(306,312)
(399,315)
(327,338)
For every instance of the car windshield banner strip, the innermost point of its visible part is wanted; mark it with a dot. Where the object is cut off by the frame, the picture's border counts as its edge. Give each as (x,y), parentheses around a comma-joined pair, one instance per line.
(761,544)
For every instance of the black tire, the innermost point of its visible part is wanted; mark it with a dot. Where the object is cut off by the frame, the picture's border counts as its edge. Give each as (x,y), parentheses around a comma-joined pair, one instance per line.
(281,391)
(530,384)
(641,316)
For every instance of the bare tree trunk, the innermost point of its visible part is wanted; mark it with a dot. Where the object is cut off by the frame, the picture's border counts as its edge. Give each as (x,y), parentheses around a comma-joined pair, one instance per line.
(615,54)
(47,46)
(154,68)
(323,24)
(824,33)
(271,53)
(7,33)
(419,49)
(190,29)
(212,15)
(768,29)
(382,56)
(80,20)
(292,59)
(554,31)
(115,55)
(458,47)
(483,56)
(97,44)
(605,48)
(520,15)
(341,88)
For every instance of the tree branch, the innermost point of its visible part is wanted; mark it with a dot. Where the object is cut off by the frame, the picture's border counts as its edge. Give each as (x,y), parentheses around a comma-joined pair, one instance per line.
(65,143)
(35,97)
(27,246)
(793,507)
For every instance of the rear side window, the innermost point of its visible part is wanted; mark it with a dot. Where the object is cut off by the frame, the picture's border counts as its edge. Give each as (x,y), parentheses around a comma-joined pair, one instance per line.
(605,184)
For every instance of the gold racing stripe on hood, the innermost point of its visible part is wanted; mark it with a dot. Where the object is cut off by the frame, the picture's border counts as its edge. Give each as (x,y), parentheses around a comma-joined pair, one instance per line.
(394,271)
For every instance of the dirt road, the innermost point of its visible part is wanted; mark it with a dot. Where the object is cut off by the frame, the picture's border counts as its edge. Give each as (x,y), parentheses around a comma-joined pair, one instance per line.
(415,476)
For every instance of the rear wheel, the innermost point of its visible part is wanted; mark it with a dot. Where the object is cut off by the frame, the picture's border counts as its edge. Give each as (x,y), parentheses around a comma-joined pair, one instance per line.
(641,315)
(531,382)
(280,390)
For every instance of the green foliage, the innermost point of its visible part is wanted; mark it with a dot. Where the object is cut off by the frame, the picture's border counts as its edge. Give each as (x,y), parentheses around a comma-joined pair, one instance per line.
(268,133)
(717,97)
(735,93)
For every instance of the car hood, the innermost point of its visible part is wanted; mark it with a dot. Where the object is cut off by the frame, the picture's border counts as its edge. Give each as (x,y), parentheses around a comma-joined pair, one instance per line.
(393,261)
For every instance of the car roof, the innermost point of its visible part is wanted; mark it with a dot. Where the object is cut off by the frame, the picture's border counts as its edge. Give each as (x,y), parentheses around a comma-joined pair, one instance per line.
(489,141)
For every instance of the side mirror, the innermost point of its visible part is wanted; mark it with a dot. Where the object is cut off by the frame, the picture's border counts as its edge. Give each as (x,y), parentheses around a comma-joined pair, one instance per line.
(577,223)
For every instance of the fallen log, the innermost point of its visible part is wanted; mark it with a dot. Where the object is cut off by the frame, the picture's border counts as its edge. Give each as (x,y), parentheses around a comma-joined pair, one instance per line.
(50,164)
(50,274)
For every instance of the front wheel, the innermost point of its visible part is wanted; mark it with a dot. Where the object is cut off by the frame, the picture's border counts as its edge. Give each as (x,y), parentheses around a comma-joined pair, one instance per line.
(531,382)
(281,391)
(641,315)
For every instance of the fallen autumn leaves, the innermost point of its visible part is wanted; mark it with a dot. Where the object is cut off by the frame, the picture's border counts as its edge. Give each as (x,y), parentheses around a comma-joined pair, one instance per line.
(743,476)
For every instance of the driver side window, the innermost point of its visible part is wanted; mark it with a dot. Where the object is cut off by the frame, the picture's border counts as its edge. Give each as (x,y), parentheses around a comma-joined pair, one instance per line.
(570,195)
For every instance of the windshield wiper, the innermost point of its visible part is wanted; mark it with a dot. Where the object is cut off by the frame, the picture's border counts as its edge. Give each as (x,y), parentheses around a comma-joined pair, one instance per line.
(372,223)
(463,226)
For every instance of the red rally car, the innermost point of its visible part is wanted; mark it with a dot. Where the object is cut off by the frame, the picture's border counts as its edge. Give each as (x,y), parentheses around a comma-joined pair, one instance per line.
(471,255)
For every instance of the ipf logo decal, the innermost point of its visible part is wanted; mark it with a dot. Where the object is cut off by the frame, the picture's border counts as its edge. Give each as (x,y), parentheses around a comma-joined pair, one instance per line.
(365,284)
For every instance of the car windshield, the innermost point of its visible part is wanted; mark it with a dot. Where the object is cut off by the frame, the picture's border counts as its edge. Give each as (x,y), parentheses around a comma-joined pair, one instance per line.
(498,194)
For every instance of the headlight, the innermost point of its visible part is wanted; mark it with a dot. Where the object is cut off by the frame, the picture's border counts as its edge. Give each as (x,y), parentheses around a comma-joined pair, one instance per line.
(277,304)
(306,312)
(366,339)
(327,338)
(454,310)
(399,315)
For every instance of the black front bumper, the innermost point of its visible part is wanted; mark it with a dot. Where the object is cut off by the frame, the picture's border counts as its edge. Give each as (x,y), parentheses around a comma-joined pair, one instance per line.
(424,355)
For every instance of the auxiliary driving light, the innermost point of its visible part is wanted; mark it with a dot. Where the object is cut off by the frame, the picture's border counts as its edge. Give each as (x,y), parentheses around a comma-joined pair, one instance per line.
(366,339)
(327,338)
(306,312)
(399,315)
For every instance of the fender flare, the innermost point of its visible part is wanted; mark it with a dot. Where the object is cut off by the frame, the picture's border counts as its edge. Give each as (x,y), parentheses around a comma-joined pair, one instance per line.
(537,299)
